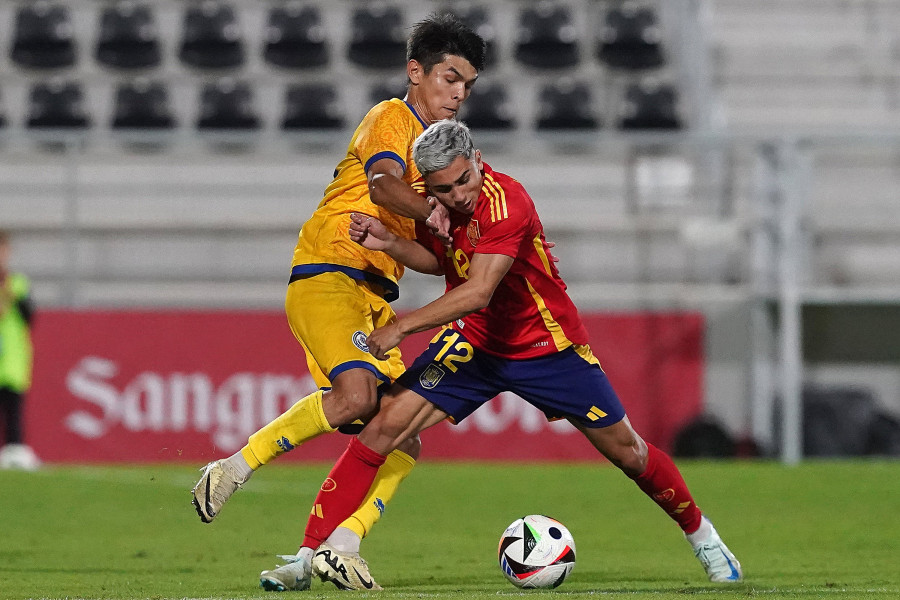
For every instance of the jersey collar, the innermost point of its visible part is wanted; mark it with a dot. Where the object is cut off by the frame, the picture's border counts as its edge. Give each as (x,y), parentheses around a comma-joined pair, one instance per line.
(415,114)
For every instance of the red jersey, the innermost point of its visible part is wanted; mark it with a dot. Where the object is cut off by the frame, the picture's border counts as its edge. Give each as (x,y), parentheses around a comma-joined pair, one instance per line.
(530,313)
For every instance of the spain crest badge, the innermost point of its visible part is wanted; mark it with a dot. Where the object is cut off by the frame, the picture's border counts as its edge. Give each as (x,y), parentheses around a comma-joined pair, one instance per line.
(473,232)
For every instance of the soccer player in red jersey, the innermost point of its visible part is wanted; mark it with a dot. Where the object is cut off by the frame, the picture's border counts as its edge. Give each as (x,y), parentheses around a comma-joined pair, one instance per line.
(512,327)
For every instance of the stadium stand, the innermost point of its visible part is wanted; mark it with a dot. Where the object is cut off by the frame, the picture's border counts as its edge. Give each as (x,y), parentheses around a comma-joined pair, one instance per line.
(43,36)
(546,37)
(631,38)
(805,62)
(129,38)
(649,104)
(566,105)
(478,18)
(648,211)
(227,104)
(212,36)
(142,104)
(295,38)
(379,38)
(311,106)
(488,107)
(57,104)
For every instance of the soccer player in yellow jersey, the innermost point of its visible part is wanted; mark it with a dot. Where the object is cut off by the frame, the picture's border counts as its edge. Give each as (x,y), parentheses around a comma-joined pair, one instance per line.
(339,293)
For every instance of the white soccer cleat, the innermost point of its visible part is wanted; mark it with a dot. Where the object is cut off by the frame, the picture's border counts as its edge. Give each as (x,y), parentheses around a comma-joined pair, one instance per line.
(295,575)
(720,564)
(218,482)
(19,456)
(346,570)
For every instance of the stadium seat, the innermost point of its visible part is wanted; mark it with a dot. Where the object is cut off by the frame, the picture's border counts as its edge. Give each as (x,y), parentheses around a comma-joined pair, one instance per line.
(227,104)
(487,108)
(546,37)
(311,107)
(477,18)
(212,37)
(43,36)
(650,105)
(57,104)
(385,90)
(566,105)
(631,38)
(128,37)
(379,38)
(141,104)
(295,38)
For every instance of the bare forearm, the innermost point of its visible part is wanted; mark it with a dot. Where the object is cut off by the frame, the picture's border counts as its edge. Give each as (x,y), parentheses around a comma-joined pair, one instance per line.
(413,255)
(455,304)
(395,195)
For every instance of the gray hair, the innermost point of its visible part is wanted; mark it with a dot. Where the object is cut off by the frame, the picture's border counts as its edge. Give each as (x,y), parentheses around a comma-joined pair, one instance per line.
(441,144)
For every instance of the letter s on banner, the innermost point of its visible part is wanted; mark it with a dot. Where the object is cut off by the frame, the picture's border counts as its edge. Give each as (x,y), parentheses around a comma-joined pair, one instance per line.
(87,382)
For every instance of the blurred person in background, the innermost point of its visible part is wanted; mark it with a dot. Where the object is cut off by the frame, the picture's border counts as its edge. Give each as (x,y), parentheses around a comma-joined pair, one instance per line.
(339,292)
(16,314)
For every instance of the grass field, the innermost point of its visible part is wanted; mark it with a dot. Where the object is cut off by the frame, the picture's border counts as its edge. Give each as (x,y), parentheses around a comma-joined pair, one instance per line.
(821,530)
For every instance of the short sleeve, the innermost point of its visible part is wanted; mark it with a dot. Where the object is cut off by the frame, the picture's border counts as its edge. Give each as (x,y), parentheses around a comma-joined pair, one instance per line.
(506,234)
(387,131)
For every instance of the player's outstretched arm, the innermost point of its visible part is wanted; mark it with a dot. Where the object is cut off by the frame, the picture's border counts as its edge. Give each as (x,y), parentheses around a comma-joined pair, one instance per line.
(388,190)
(371,233)
(485,273)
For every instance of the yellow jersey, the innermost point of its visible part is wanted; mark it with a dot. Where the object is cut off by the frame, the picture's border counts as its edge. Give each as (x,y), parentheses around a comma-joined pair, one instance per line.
(387,131)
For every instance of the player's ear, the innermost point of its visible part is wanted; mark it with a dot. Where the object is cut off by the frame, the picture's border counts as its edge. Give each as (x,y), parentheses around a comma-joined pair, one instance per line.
(414,71)
(478,164)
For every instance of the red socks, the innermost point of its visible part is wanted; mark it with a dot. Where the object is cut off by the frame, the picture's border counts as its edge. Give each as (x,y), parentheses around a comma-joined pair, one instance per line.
(664,484)
(353,475)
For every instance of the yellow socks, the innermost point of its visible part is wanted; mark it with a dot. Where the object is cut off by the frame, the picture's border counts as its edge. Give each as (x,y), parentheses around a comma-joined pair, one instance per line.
(394,470)
(300,423)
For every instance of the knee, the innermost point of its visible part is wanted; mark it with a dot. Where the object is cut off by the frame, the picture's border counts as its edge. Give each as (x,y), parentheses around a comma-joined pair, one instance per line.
(631,458)
(346,404)
(411,446)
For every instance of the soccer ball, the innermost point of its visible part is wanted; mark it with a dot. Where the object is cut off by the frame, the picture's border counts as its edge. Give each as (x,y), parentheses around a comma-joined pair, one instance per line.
(536,552)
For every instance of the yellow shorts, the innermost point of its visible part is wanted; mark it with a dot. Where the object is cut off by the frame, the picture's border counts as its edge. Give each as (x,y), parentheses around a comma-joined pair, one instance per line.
(331,314)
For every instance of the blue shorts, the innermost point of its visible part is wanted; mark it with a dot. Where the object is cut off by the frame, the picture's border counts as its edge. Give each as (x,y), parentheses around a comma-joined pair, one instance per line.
(457,378)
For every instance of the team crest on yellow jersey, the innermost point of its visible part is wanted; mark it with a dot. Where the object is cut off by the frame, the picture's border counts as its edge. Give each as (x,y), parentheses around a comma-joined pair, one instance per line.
(473,232)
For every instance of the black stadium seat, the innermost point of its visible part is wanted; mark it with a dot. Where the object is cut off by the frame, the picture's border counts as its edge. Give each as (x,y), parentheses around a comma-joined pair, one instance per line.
(378,37)
(546,37)
(227,104)
(57,104)
(295,38)
(631,38)
(477,18)
(566,105)
(488,107)
(43,37)
(385,90)
(129,38)
(649,105)
(212,37)
(311,106)
(142,104)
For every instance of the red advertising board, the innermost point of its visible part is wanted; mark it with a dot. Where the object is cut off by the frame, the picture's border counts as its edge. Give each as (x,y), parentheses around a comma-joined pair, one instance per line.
(136,386)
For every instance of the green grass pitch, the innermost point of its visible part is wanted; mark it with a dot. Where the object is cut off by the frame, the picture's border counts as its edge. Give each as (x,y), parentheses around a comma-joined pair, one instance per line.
(820,530)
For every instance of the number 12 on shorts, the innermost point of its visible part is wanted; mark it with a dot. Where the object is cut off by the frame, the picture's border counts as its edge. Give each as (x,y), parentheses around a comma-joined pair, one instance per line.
(454,349)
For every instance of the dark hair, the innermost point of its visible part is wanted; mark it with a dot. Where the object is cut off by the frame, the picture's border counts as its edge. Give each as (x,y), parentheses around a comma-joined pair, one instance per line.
(442,34)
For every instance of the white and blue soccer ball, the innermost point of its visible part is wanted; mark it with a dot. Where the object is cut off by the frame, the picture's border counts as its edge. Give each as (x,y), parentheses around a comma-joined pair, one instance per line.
(536,552)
